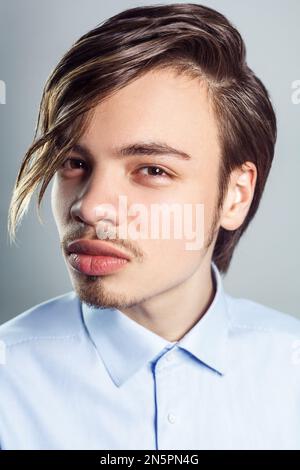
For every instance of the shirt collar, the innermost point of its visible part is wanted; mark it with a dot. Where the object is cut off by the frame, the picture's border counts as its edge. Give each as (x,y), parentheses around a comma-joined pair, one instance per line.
(125,346)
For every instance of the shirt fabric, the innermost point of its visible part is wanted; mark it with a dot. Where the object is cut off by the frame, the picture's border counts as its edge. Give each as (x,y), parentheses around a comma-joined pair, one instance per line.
(77,377)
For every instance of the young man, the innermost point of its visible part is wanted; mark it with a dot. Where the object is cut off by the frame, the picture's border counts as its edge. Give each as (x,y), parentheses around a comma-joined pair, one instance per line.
(156,105)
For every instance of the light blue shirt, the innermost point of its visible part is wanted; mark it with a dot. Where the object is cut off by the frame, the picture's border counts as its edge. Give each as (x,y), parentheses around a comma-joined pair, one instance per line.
(75,377)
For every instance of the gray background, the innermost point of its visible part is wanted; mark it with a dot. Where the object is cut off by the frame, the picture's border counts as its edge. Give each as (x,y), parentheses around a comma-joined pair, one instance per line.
(34,34)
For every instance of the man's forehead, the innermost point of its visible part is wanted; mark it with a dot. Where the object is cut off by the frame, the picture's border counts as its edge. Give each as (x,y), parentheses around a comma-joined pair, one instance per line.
(127,127)
(160,95)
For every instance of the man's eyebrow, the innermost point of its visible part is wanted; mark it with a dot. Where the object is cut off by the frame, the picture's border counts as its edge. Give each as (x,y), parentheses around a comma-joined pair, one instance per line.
(138,148)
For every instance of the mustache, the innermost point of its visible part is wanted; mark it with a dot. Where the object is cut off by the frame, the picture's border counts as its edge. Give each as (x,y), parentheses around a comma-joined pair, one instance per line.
(89,233)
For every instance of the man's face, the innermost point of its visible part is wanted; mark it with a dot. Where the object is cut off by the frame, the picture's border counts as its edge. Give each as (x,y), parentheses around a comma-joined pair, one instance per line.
(158,107)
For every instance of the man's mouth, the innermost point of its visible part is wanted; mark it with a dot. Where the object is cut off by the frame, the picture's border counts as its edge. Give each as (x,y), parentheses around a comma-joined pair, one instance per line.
(95,257)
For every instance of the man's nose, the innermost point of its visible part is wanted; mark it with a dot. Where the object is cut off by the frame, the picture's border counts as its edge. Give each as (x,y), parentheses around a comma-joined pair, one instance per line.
(98,200)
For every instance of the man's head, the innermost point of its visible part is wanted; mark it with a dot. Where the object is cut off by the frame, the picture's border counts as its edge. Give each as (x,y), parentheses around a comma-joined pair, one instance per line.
(171,74)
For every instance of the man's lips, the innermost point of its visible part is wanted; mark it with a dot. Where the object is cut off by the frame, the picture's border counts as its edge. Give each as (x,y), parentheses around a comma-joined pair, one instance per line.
(95,257)
(95,248)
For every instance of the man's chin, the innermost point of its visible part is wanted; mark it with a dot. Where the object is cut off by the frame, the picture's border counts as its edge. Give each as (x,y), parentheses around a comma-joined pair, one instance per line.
(99,296)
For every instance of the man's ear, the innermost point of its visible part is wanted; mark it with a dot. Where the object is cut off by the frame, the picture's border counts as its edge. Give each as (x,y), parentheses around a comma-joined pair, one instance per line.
(239,196)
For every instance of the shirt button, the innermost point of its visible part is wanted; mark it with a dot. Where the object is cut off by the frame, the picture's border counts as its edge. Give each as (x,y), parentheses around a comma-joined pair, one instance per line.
(171,418)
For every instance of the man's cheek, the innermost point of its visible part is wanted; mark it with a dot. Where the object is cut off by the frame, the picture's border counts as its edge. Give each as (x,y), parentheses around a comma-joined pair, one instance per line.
(61,206)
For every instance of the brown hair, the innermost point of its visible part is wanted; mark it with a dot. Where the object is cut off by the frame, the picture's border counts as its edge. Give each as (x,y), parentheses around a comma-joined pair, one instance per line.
(189,38)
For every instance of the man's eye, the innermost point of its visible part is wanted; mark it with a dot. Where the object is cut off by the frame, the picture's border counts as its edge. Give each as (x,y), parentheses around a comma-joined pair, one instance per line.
(155,171)
(74,164)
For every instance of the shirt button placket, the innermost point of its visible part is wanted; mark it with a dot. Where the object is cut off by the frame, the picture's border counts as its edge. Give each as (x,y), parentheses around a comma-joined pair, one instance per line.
(167,418)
